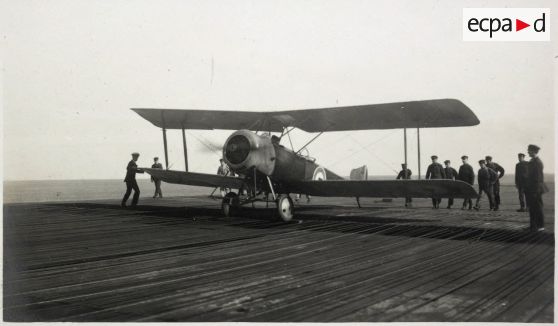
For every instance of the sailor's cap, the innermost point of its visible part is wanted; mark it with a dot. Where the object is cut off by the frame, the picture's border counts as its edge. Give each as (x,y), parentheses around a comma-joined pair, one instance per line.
(434,157)
(135,154)
(534,148)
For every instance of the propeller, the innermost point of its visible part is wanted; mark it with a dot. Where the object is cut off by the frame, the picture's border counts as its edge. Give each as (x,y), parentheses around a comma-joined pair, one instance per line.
(211,146)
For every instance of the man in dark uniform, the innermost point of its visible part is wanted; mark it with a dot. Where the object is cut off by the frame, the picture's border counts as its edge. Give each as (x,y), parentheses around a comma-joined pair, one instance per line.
(534,189)
(131,182)
(466,174)
(521,173)
(405,174)
(451,174)
(486,179)
(500,171)
(157,165)
(435,171)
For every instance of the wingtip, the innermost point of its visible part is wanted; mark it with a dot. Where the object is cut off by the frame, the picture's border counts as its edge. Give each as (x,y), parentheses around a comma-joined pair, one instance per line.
(475,120)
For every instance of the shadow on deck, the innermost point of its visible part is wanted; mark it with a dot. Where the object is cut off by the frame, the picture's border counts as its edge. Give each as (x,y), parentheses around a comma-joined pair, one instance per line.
(265,218)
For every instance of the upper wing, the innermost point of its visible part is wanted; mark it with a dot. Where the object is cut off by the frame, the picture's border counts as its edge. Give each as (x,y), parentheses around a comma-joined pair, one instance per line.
(195,179)
(414,114)
(209,119)
(384,188)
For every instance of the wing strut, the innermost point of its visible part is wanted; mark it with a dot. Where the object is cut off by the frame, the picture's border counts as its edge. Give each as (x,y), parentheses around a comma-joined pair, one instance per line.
(308,143)
(185,150)
(165,145)
(418,150)
(165,139)
(283,133)
(405,148)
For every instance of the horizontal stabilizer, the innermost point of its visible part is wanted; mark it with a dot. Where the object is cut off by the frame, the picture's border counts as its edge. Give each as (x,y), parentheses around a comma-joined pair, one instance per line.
(360,173)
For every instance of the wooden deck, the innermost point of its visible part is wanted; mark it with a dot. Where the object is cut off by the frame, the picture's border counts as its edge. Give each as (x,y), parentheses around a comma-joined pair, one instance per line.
(93,261)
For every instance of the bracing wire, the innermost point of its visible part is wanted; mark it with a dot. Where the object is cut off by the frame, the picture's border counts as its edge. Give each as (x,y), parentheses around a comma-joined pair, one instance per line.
(390,166)
(365,147)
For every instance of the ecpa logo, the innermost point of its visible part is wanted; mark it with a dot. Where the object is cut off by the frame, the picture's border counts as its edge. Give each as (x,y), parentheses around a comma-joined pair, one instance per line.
(506,24)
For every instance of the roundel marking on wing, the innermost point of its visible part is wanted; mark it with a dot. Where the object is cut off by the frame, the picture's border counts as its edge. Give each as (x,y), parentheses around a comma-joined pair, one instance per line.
(319,174)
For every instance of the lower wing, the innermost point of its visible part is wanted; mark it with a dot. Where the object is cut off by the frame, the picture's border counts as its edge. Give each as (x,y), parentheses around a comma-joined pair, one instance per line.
(384,188)
(195,179)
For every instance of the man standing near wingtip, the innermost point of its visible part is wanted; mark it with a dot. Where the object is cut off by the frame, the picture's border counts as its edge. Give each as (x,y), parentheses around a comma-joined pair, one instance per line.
(500,172)
(451,174)
(157,182)
(131,182)
(435,171)
(466,174)
(486,179)
(534,189)
(521,176)
(405,174)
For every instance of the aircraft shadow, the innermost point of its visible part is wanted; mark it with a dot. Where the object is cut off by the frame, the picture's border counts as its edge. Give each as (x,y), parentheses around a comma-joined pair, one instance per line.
(247,212)
(266,218)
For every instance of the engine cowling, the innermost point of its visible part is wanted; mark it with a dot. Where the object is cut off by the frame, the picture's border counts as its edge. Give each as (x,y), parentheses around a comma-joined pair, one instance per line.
(244,150)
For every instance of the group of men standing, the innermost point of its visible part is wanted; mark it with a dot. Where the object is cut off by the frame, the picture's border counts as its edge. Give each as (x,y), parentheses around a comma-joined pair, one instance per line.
(529,181)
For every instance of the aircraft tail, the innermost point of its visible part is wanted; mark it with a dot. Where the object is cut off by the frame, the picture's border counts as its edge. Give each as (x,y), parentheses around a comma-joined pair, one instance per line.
(360,173)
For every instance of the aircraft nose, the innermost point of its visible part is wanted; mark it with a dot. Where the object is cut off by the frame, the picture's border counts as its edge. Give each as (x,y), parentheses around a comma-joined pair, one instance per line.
(237,149)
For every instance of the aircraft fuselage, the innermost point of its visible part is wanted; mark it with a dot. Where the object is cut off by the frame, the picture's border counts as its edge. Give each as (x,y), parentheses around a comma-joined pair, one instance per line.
(245,150)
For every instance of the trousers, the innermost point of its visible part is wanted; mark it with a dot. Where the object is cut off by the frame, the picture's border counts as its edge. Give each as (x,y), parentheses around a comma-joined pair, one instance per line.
(536,214)
(489,194)
(129,186)
(157,188)
(450,201)
(496,194)
(522,198)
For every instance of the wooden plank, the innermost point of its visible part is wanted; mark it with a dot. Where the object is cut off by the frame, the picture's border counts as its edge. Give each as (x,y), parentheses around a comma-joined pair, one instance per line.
(92,261)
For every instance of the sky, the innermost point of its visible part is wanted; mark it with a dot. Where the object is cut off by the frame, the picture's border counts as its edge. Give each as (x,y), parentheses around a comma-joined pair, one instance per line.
(71,71)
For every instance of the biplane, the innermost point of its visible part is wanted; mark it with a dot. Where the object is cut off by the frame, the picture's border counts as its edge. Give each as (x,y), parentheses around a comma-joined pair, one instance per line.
(263,166)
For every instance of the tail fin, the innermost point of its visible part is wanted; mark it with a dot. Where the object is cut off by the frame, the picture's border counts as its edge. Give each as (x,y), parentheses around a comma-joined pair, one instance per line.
(360,173)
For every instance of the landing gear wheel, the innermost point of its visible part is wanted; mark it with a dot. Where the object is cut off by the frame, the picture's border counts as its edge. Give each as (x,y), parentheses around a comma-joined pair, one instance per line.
(285,207)
(230,204)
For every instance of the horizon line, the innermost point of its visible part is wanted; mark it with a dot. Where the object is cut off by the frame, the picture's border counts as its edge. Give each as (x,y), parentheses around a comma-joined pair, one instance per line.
(101,179)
